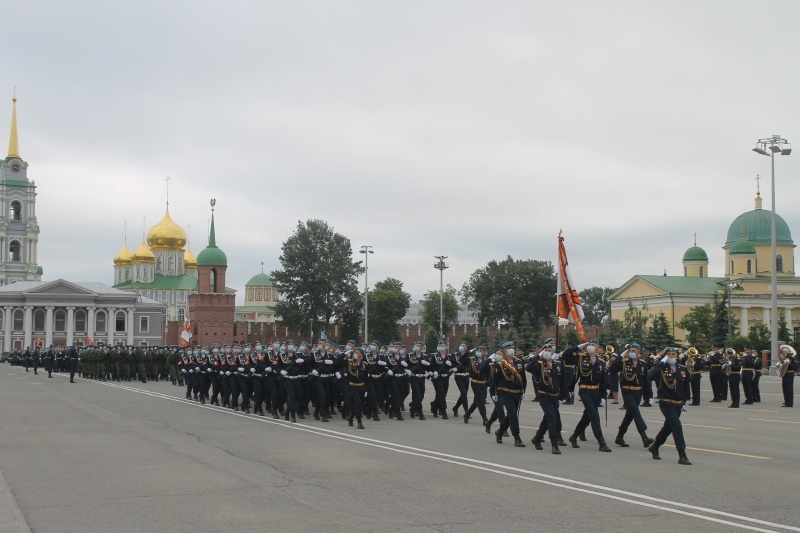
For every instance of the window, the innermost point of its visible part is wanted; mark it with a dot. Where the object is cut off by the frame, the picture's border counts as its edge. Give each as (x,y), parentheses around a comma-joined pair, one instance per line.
(251,294)
(212,279)
(702,271)
(19,319)
(144,324)
(685,272)
(266,295)
(61,320)
(100,322)
(731,272)
(16,210)
(749,266)
(779,263)
(181,314)
(120,321)
(38,320)
(171,264)
(14,251)
(258,295)
(80,320)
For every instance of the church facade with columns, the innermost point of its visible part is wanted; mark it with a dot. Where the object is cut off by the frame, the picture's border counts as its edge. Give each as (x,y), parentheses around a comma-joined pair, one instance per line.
(748,265)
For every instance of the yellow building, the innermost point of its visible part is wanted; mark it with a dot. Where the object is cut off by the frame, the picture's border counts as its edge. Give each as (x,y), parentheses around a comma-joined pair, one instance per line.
(748,263)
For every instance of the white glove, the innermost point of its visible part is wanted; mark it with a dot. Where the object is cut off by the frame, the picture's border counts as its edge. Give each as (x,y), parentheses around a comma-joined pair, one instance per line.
(183,370)
(365,395)
(453,370)
(241,369)
(299,361)
(602,402)
(328,361)
(252,370)
(268,369)
(560,402)
(403,364)
(284,373)
(448,363)
(338,376)
(381,362)
(314,373)
(435,374)
(407,371)
(664,359)
(426,363)
(228,373)
(522,397)
(650,401)
(390,373)
(608,392)
(494,398)
(555,357)
(191,370)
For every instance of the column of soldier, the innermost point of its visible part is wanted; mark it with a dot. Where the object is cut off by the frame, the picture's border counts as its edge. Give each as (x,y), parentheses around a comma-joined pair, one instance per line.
(285,378)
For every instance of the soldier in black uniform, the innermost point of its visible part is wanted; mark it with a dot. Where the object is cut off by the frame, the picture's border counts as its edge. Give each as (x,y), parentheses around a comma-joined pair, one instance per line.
(272,371)
(442,366)
(550,378)
(356,374)
(73,362)
(508,389)
(417,365)
(696,366)
(632,373)
(748,375)
(478,368)
(672,393)
(396,378)
(734,377)
(591,389)
(376,367)
(26,356)
(461,376)
(289,368)
(35,359)
(788,356)
(715,373)
(569,359)
(49,358)
(321,372)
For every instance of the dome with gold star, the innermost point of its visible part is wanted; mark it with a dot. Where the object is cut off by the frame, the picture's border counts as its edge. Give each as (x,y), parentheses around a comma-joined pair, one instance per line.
(143,254)
(123,258)
(166,235)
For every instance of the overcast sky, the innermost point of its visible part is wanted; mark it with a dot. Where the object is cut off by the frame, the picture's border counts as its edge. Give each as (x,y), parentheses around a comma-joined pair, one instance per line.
(470,129)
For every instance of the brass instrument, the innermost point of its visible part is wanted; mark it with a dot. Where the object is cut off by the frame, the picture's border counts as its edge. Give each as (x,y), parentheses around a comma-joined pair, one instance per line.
(782,365)
(729,354)
(690,354)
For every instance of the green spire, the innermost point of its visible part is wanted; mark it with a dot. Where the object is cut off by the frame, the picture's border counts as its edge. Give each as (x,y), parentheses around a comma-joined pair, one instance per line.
(212,238)
(212,256)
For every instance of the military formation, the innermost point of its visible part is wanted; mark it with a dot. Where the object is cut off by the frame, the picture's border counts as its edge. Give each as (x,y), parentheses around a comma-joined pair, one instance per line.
(295,380)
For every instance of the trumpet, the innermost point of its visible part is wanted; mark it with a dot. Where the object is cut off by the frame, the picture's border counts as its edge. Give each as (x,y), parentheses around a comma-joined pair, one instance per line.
(609,349)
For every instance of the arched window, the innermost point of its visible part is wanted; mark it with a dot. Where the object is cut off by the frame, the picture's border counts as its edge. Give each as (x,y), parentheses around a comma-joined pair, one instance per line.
(779,263)
(749,266)
(731,272)
(702,271)
(16,210)
(171,264)
(61,320)
(38,320)
(19,320)
(251,294)
(258,295)
(120,322)
(212,278)
(14,250)
(80,320)
(100,322)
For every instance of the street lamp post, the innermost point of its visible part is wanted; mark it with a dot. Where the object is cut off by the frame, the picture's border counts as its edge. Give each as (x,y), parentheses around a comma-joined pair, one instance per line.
(775,144)
(441,266)
(366,250)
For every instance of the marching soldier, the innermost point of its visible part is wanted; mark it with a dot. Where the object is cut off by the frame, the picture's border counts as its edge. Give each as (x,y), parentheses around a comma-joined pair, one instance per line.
(289,368)
(632,377)
(757,377)
(441,367)
(508,389)
(356,373)
(73,362)
(49,359)
(591,378)
(715,373)
(478,365)
(461,377)
(788,357)
(321,372)
(569,358)
(549,376)
(376,366)
(734,377)
(672,392)
(416,371)
(396,379)
(696,367)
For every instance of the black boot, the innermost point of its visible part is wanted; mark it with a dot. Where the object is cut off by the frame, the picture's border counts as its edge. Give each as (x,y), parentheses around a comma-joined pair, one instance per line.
(683,459)
(561,440)
(286,416)
(350,422)
(653,449)
(554,444)
(360,425)
(399,416)
(573,439)
(485,420)
(325,417)
(487,425)
(294,418)
(316,415)
(274,413)
(646,441)
(376,418)
(518,442)
(434,412)
(537,440)
(498,437)
(619,441)
(420,415)
(300,414)
(602,442)
(582,436)
(466,418)
(444,416)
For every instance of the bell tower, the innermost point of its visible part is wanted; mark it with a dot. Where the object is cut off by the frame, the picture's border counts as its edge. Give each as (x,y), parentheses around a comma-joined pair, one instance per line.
(19,230)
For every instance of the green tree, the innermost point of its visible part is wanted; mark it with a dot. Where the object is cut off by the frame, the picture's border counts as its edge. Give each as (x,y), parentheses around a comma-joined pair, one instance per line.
(596,305)
(737,342)
(635,322)
(699,325)
(660,333)
(783,329)
(759,337)
(570,336)
(528,337)
(719,329)
(469,340)
(431,339)
(430,308)
(351,319)
(505,291)
(318,280)
(388,303)
(483,335)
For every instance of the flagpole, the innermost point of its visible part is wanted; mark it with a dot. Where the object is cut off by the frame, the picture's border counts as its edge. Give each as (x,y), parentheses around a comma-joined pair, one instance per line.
(557,296)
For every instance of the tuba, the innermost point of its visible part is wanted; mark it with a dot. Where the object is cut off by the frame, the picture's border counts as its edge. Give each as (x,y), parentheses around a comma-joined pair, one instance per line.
(782,365)
(691,353)
(730,353)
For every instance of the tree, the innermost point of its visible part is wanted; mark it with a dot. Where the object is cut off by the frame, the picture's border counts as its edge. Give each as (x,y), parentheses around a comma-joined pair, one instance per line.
(388,303)
(635,322)
(760,337)
(719,329)
(505,291)
(469,340)
(660,333)
(351,318)
(430,308)
(596,305)
(319,278)
(431,339)
(784,334)
(699,325)
(528,338)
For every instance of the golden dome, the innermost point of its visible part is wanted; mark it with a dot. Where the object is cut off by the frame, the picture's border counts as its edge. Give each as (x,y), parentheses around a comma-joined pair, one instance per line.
(143,254)
(166,235)
(123,258)
(189,260)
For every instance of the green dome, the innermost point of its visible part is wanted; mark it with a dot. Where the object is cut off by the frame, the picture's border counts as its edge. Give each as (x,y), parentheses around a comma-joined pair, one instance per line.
(742,247)
(212,256)
(259,280)
(757,226)
(695,253)
(39,270)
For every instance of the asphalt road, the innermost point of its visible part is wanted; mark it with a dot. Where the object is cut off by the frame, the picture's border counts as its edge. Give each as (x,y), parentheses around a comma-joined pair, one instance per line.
(132,457)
